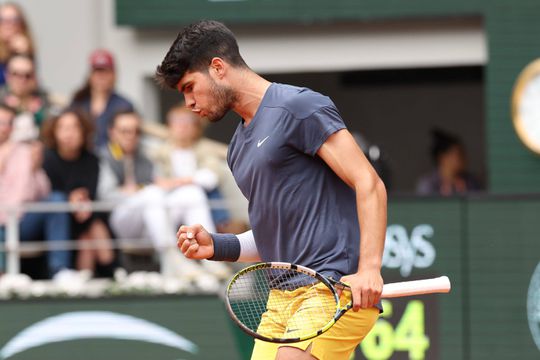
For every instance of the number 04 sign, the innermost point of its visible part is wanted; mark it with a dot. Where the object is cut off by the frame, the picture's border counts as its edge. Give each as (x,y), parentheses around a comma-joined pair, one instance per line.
(395,335)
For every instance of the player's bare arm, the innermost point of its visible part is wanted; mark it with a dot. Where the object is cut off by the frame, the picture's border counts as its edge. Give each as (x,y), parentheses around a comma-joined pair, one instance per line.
(343,155)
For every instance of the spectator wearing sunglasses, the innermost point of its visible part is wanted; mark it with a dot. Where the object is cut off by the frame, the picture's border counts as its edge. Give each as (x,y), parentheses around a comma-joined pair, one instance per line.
(22,93)
(98,97)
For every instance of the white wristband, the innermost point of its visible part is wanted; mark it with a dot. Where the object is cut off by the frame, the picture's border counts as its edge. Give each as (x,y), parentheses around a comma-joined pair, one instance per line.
(248,248)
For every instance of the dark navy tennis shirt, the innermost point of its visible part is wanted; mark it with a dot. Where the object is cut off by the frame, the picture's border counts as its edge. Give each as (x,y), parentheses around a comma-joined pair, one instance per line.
(300,210)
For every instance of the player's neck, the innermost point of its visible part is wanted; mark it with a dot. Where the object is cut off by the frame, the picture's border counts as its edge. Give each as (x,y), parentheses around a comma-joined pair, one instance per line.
(250,91)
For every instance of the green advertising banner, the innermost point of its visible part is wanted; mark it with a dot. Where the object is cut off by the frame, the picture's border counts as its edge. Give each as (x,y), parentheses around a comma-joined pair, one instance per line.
(423,240)
(186,327)
(504,247)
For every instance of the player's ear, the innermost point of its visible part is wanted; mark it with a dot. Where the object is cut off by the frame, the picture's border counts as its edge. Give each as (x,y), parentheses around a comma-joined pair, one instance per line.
(218,66)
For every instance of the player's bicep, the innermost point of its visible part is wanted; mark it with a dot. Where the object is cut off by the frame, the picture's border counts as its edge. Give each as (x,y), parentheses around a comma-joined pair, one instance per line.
(343,155)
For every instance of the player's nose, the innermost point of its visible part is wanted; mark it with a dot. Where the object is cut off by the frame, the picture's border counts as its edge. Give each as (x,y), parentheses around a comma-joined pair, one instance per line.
(190,102)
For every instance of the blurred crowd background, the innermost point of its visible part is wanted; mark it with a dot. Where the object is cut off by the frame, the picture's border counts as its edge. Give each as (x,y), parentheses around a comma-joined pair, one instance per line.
(93,144)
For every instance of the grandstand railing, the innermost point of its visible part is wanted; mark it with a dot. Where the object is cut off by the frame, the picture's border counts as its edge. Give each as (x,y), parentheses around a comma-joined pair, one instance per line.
(13,247)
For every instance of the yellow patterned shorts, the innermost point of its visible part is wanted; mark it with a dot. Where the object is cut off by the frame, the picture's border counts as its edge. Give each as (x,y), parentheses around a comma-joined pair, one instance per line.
(338,343)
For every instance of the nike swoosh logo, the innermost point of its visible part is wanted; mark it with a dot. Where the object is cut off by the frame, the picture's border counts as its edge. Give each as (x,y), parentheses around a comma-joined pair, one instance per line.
(291,330)
(260,142)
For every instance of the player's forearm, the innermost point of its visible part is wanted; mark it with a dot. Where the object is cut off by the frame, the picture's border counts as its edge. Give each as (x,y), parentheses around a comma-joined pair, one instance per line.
(371,204)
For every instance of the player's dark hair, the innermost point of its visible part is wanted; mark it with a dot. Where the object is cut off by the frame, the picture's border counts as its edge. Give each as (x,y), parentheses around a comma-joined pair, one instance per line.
(194,48)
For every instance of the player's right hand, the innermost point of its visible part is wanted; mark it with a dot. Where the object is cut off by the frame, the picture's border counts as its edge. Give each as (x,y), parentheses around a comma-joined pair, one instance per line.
(195,242)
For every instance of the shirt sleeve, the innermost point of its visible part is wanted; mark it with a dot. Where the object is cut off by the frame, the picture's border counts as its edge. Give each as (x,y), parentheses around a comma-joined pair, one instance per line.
(308,134)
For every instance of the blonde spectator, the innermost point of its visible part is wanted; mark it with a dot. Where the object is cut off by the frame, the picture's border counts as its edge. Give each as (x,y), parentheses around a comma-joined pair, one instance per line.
(179,163)
(15,36)
(187,158)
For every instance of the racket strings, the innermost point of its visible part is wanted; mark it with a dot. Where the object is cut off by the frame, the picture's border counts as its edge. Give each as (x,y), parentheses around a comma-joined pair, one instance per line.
(281,303)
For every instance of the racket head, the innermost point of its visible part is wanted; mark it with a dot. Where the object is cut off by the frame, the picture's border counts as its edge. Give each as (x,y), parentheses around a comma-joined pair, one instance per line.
(282,303)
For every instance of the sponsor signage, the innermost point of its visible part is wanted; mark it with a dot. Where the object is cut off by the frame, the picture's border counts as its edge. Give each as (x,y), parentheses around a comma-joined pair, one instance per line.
(185,327)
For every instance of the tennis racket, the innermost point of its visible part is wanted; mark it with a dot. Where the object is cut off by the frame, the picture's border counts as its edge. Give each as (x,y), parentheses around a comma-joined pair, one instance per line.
(287,303)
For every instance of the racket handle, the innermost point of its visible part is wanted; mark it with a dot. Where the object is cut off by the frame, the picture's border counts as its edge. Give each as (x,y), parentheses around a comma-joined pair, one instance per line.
(416,287)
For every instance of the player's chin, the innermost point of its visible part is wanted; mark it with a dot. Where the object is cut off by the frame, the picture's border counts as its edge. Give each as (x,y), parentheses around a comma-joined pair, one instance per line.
(216,116)
(212,119)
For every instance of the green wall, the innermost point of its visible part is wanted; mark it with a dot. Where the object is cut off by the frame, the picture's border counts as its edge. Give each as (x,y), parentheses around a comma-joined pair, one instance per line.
(512,29)
(504,251)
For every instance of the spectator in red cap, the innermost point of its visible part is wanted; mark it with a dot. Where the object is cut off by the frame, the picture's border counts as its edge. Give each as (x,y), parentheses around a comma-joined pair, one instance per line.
(98,97)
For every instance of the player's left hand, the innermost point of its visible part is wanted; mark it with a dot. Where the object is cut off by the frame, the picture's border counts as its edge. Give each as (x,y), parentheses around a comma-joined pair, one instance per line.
(366,287)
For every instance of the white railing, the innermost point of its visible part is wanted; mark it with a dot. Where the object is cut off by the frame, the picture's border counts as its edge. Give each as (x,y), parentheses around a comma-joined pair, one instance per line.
(13,246)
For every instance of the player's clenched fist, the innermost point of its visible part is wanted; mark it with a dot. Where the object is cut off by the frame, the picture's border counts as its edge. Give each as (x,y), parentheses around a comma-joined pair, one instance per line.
(195,242)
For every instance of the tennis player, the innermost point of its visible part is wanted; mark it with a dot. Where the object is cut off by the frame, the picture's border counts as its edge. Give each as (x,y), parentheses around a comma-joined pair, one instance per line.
(314,199)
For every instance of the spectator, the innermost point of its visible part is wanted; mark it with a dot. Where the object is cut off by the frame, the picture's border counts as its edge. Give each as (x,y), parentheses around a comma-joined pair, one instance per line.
(23,180)
(22,45)
(127,176)
(73,171)
(450,176)
(22,93)
(187,161)
(15,37)
(98,97)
